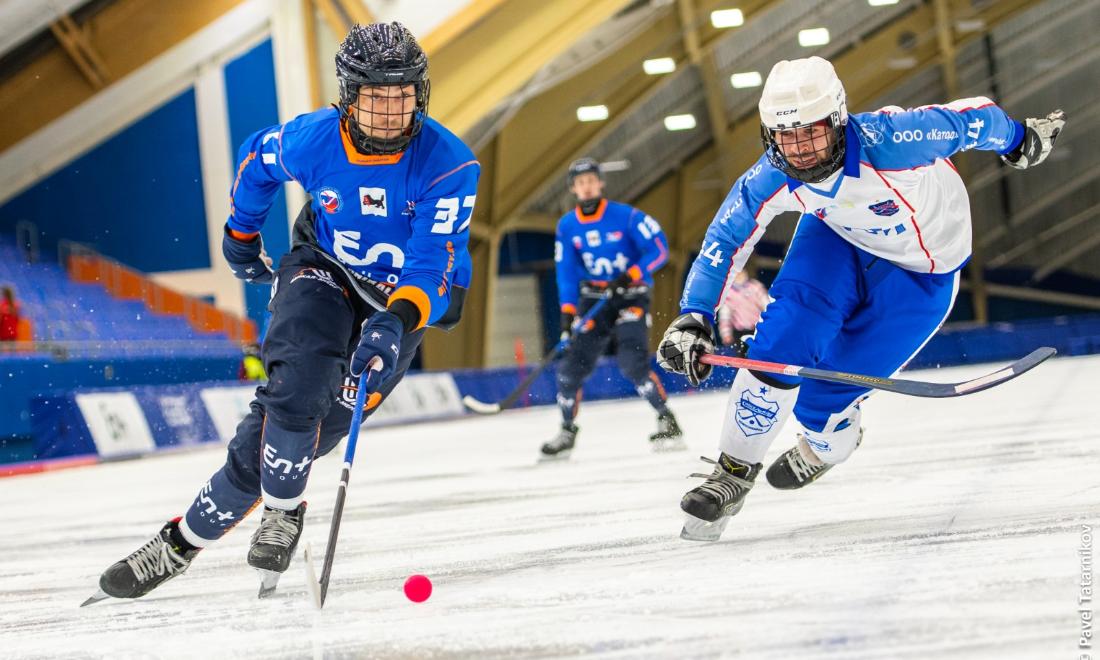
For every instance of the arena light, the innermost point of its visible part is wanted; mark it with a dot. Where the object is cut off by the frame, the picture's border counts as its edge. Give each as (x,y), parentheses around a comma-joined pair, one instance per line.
(881,3)
(746,79)
(813,37)
(680,122)
(727,18)
(659,65)
(592,113)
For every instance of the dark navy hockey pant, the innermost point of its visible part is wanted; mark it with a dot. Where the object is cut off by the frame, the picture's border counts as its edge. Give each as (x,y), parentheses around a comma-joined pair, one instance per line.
(628,321)
(315,324)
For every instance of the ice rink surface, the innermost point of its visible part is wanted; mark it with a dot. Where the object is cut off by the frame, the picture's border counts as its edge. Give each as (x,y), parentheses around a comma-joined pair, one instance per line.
(953,532)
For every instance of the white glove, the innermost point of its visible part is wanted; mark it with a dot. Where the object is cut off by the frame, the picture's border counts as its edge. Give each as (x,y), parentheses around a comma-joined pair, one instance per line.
(689,336)
(1039,137)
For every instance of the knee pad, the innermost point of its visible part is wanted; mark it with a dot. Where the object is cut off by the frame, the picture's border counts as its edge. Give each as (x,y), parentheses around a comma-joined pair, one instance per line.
(837,445)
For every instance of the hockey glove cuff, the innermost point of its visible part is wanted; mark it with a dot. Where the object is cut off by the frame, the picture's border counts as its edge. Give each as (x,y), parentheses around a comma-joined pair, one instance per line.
(689,336)
(1039,138)
(381,343)
(620,285)
(247,259)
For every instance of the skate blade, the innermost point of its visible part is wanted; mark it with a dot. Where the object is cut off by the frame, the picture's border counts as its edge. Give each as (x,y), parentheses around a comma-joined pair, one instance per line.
(98,596)
(269,582)
(312,583)
(696,529)
(666,445)
(555,458)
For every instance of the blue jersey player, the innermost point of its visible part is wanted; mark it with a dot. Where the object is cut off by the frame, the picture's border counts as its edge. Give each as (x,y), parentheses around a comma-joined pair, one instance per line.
(870,275)
(606,249)
(379,254)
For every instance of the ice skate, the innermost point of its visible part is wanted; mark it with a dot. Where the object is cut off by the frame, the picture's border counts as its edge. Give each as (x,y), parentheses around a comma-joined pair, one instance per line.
(274,543)
(669,436)
(709,506)
(156,562)
(799,466)
(561,446)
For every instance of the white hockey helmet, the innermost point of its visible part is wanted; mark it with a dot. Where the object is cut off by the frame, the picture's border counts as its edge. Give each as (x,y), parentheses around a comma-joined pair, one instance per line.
(799,93)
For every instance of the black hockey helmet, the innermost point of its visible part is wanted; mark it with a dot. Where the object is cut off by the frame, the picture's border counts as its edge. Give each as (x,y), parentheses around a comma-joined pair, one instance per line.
(583,166)
(381,54)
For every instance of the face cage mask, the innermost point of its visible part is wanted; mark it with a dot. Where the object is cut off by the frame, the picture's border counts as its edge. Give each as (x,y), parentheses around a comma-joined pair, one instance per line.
(832,162)
(375,146)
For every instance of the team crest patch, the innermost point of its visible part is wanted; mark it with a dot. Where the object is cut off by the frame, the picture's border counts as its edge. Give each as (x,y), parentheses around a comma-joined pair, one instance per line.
(592,237)
(871,133)
(755,414)
(613,236)
(329,199)
(889,207)
(372,201)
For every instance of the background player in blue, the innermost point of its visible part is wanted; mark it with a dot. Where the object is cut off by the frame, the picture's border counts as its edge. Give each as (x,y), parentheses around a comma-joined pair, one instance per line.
(870,275)
(379,253)
(605,248)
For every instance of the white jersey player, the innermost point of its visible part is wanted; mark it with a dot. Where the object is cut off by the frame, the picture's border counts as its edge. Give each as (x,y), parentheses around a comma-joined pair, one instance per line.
(871,274)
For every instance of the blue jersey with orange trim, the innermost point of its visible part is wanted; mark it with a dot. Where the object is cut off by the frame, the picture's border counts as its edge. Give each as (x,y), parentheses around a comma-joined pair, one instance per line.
(897,197)
(615,239)
(399,220)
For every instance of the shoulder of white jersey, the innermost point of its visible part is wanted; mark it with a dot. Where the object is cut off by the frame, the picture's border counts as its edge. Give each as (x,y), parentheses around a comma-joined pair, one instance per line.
(440,152)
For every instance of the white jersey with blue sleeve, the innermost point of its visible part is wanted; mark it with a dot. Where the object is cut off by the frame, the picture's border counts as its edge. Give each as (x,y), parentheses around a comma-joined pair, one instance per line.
(897,196)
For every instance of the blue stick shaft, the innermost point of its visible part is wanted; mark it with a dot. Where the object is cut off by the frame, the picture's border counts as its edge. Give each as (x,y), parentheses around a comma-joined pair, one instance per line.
(356,417)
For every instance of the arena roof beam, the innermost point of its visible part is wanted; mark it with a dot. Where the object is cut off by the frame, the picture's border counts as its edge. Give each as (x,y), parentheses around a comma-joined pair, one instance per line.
(340,15)
(476,70)
(126,34)
(75,42)
(704,62)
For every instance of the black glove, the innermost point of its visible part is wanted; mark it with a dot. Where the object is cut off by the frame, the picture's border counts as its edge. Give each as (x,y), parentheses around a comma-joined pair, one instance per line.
(620,285)
(380,342)
(247,259)
(689,336)
(1039,137)
(567,319)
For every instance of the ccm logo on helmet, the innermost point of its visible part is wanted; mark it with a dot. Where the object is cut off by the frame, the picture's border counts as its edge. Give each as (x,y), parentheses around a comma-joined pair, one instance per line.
(786,112)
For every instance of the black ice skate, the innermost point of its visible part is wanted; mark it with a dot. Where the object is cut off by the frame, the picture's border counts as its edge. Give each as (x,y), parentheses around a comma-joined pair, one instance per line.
(799,466)
(669,436)
(710,505)
(274,543)
(561,446)
(159,560)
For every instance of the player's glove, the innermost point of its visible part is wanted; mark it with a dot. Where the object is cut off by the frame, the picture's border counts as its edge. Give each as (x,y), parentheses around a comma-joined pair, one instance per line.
(620,285)
(689,336)
(380,342)
(247,259)
(1039,137)
(567,321)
